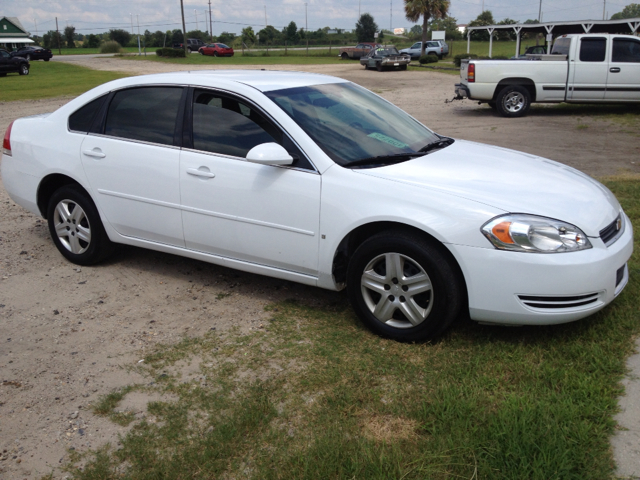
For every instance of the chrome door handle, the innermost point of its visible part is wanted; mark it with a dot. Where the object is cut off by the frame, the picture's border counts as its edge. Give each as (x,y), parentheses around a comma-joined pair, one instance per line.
(96,153)
(614,70)
(200,173)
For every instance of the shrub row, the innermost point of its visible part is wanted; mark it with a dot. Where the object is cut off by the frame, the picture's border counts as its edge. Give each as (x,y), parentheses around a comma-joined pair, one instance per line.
(171,52)
(428,59)
(111,47)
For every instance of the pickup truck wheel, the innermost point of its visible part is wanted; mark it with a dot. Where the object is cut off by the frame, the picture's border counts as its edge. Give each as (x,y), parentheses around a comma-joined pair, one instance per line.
(513,101)
(345,56)
(493,105)
(379,66)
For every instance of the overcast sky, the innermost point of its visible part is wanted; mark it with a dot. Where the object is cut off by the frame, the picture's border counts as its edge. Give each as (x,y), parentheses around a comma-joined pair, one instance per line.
(97,16)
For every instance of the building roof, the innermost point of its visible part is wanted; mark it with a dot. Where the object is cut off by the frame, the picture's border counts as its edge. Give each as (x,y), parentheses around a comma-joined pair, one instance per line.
(626,25)
(21,31)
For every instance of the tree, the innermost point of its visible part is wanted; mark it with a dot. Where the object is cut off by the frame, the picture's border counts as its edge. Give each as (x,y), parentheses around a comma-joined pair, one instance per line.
(91,41)
(484,19)
(427,9)
(630,11)
(506,34)
(121,36)
(226,38)
(449,25)
(291,33)
(415,33)
(248,36)
(69,32)
(366,28)
(204,36)
(269,35)
(52,39)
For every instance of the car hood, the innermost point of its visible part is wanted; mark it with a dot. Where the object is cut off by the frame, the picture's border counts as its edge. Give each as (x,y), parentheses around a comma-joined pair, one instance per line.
(512,181)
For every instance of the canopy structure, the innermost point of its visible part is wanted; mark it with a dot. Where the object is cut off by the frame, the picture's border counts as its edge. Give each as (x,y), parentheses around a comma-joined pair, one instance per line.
(551,29)
(15,40)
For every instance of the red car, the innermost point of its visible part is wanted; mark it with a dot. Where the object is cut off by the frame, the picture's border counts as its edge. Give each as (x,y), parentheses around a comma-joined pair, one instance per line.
(217,50)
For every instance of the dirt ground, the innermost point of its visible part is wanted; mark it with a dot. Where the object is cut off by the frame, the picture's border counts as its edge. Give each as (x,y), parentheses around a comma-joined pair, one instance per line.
(68,333)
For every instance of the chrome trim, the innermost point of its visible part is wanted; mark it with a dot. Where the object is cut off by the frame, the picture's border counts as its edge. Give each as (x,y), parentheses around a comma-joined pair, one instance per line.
(618,225)
(133,140)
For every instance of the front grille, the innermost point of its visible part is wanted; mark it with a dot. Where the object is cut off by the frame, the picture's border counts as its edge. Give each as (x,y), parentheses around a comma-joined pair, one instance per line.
(612,232)
(558,302)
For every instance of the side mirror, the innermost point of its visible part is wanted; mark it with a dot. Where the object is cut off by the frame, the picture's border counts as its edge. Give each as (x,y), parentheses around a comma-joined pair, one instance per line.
(269,154)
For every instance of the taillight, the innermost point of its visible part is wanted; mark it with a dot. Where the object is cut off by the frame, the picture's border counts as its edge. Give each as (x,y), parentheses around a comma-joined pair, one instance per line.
(6,143)
(471,73)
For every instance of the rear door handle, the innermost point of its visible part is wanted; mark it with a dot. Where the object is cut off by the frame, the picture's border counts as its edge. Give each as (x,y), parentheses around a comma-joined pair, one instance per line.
(200,173)
(95,153)
(614,70)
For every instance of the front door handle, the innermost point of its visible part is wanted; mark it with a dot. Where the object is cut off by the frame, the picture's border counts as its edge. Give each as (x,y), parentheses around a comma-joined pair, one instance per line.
(614,70)
(200,173)
(95,153)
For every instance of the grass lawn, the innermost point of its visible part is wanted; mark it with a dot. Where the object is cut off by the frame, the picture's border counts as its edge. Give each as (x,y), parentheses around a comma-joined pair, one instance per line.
(314,395)
(52,79)
(294,57)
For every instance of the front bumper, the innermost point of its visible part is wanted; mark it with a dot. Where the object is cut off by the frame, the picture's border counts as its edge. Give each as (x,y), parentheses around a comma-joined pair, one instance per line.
(511,288)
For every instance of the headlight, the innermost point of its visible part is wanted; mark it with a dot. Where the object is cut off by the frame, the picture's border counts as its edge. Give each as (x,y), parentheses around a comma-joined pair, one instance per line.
(529,233)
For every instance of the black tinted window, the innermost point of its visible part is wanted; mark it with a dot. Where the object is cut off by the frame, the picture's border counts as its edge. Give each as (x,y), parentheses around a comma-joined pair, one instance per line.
(593,49)
(82,119)
(147,114)
(626,50)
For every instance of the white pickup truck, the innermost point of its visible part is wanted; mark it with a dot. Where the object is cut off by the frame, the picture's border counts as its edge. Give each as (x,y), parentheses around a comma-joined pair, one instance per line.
(588,68)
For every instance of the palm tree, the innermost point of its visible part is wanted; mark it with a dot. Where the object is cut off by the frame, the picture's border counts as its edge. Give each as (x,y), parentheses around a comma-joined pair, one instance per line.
(427,9)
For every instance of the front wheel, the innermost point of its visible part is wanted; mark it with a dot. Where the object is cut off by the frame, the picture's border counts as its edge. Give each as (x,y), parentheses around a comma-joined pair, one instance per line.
(403,67)
(345,56)
(75,227)
(379,66)
(47,59)
(404,287)
(24,70)
(513,101)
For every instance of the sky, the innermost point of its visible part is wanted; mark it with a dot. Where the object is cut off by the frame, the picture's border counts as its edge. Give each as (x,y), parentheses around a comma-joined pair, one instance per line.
(97,16)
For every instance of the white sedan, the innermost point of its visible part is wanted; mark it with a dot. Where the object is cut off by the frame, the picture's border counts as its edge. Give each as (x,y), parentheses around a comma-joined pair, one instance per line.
(316,180)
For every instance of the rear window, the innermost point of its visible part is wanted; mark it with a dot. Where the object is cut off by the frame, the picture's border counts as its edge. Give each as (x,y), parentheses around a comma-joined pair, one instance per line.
(593,49)
(82,119)
(561,47)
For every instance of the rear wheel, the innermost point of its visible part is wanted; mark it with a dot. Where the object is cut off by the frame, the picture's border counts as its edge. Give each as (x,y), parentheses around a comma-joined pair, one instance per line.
(345,56)
(28,57)
(47,59)
(404,287)
(215,54)
(76,228)
(24,69)
(379,66)
(513,101)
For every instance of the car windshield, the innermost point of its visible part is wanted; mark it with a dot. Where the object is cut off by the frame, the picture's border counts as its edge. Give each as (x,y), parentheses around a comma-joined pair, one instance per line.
(385,52)
(352,124)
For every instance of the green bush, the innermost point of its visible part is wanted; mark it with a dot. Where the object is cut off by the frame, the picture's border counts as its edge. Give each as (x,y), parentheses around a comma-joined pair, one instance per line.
(171,52)
(457,60)
(428,59)
(111,47)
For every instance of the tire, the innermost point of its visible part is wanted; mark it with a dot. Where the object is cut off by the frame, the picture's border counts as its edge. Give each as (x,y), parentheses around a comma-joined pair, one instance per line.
(513,101)
(345,56)
(493,105)
(378,293)
(3,74)
(28,57)
(76,228)
(47,59)
(403,67)
(215,54)
(379,66)
(23,69)
(200,52)
(440,57)
(366,66)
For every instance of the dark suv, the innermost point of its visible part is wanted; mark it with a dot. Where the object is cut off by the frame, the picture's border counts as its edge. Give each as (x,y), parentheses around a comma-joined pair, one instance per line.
(193,44)
(12,64)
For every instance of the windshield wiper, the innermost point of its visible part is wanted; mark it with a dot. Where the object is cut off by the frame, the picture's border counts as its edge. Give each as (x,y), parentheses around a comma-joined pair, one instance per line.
(441,143)
(384,159)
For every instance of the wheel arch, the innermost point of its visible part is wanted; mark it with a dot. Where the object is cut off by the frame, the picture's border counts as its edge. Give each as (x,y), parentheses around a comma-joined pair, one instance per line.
(48,187)
(356,237)
(527,83)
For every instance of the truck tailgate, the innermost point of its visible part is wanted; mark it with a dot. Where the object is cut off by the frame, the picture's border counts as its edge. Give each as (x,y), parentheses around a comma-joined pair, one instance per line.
(464,66)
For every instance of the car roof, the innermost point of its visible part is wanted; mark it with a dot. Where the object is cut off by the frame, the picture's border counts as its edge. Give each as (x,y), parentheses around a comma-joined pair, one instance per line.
(262,80)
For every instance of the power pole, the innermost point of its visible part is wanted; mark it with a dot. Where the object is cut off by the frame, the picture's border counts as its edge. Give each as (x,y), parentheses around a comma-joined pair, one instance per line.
(138,22)
(359,2)
(265,16)
(540,12)
(196,12)
(603,9)
(58,35)
(306,27)
(184,31)
(391,16)
(131,17)
(36,24)
(210,24)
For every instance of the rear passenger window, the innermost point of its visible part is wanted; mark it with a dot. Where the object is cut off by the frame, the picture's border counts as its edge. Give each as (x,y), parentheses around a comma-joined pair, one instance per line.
(626,50)
(82,119)
(148,114)
(593,49)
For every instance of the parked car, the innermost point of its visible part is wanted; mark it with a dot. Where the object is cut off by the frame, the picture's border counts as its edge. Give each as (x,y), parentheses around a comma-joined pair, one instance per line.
(314,179)
(10,64)
(193,44)
(358,51)
(33,53)
(585,68)
(385,58)
(535,50)
(216,50)
(432,48)
(445,47)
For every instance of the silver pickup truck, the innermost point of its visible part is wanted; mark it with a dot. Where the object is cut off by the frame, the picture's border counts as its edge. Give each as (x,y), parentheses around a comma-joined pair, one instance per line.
(588,68)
